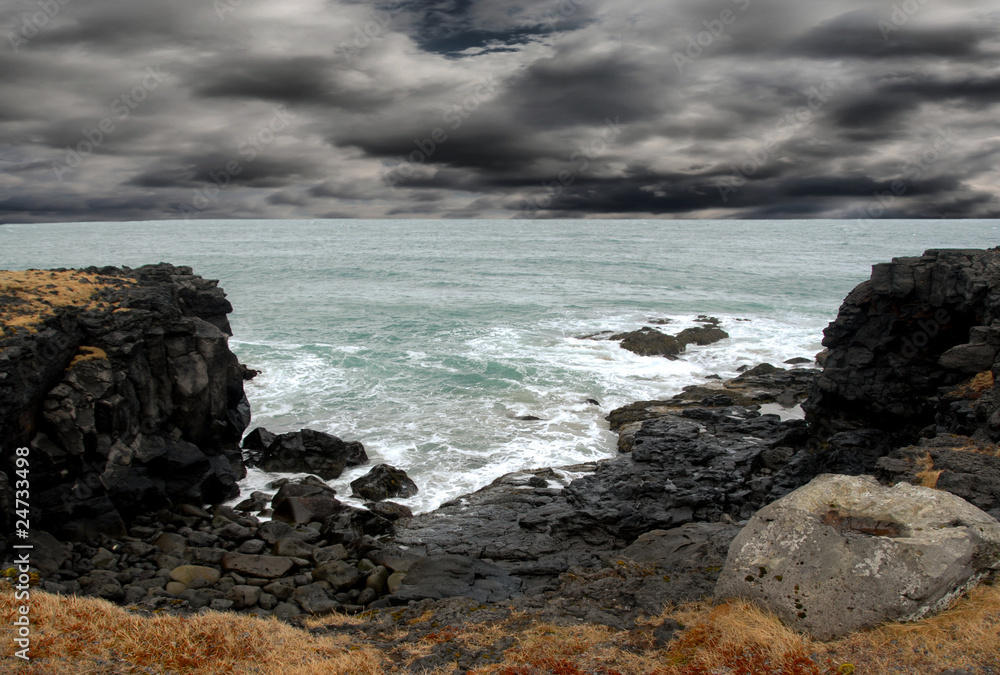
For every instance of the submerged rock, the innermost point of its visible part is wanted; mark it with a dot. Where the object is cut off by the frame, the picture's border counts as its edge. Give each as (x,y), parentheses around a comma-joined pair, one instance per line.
(649,342)
(844,553)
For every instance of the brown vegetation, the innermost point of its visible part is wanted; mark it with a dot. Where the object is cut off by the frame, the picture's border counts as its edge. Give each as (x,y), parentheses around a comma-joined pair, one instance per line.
(90,637)
(27,297)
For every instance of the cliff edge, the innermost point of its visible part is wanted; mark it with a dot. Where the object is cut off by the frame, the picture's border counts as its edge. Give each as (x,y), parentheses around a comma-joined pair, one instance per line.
(121,384)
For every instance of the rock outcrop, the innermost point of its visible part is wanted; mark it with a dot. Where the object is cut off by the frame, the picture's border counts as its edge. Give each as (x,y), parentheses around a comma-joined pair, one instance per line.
(759,385)
(844,553)
(121,384)
(956,464)
(384,482)
(648,341)
(918,325)
(696,465)
(305,451)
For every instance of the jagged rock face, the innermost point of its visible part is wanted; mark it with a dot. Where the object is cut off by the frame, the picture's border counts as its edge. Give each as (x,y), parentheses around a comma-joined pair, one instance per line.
(917,325)
(128,407)
(844,553)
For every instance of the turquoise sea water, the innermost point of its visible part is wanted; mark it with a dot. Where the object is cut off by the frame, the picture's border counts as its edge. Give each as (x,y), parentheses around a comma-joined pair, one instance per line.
(426,340)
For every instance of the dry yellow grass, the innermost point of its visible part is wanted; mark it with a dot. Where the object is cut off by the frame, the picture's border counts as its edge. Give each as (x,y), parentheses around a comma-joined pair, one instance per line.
(975,387)
(89,354)
(84,636)
(81,636)
(27,297)
(928,475)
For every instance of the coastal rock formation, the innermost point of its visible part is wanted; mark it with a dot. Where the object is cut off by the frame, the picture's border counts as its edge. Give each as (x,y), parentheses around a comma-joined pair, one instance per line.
(844,553)
(918,325)
(384,482)
(451,576)
(121,384)
(956,464)
(762,384)
(662,567)
(648,341)
(699,464)
(307,451)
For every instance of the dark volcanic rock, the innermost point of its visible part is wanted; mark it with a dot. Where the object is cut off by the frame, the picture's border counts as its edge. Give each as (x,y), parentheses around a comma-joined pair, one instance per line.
(307,509)
(952,463)
(762,384)
(917,325)
(700,464)
(650,342)
(384,482)
(389,510)
(310,451)
(128,407)
(662,567)
(694,466)
(255,443)
(449,576)
(703,335)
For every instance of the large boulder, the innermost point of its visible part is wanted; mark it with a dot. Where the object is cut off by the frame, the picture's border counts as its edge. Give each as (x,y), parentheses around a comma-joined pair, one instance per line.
(255,443)
(384,482)
(702,335)
(310,451)
(650,342)
(844,553)
(307,509)
(262,566)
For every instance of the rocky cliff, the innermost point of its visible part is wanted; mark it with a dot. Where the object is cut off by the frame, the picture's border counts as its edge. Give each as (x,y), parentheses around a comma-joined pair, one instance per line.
(905,338)
(122,385)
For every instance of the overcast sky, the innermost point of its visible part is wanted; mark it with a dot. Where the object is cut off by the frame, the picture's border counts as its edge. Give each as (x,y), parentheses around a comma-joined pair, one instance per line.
(127,110)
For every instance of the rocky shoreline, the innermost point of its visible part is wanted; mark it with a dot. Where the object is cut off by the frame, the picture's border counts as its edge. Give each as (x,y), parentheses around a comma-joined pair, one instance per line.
(132,407)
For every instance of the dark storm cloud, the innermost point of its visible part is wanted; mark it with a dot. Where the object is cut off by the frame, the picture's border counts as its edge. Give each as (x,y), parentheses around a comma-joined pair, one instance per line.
(858,35)
(498,108)
(288,80)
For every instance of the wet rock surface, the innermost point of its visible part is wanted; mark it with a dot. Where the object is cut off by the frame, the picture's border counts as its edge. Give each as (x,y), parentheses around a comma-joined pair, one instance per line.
(701,465)
(384,482)
(308,451)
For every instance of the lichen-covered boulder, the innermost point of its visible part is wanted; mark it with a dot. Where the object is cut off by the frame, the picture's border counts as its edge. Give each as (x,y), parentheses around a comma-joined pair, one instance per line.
(843,553)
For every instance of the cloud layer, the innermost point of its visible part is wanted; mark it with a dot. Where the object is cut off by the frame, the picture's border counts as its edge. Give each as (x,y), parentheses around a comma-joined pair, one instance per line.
(114,110)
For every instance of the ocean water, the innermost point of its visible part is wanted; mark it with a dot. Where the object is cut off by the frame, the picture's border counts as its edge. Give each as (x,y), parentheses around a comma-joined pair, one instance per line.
(426,340)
